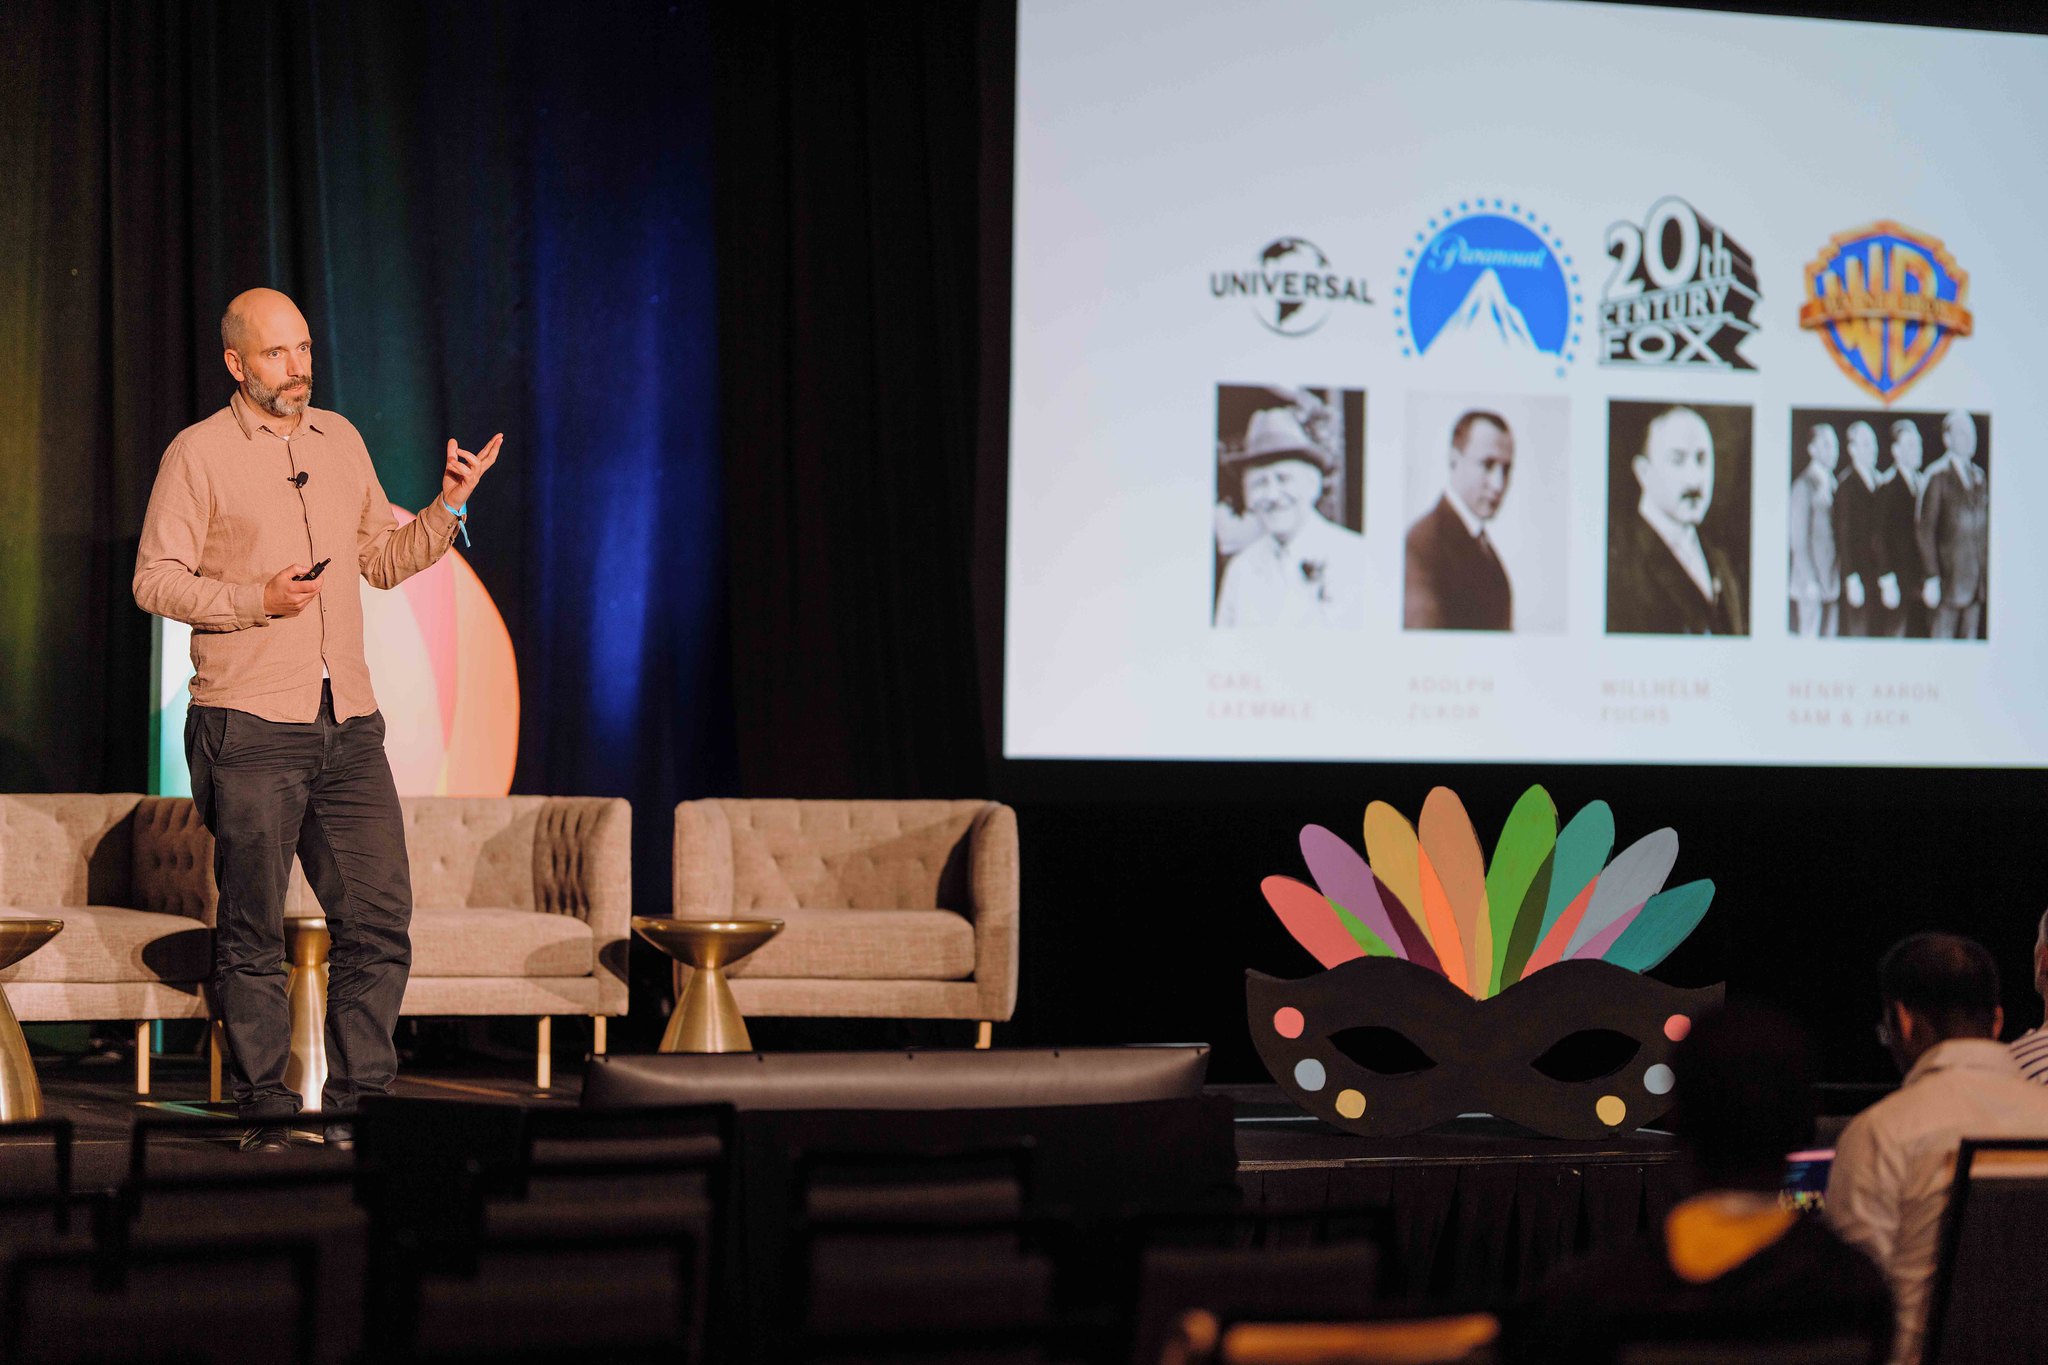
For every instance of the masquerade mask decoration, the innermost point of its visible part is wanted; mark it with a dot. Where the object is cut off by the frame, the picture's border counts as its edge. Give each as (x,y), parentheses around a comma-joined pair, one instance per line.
(1458,985)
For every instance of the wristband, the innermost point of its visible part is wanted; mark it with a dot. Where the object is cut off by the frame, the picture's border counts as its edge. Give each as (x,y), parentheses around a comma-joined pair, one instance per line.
(461,515)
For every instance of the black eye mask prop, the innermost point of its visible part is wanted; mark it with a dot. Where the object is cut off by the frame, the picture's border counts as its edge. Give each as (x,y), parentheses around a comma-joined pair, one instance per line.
(1334,1041)
(1458,984)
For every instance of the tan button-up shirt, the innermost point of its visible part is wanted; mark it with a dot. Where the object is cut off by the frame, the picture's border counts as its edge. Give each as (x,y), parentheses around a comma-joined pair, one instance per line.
(226,515)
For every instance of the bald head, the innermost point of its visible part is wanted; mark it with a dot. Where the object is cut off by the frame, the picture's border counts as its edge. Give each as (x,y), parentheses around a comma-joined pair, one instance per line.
(268,348)
(252,313)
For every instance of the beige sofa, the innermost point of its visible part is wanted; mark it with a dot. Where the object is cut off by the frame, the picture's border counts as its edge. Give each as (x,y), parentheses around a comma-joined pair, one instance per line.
(522,906)
(894,909)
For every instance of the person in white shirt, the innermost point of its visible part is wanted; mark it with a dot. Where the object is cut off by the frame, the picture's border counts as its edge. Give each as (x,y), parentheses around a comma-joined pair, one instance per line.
(1302,569)
(1889,1184)
(2030,1049)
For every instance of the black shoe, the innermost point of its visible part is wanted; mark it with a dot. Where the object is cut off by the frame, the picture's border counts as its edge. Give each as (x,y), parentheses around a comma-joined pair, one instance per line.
(339,1137)
(267,1138)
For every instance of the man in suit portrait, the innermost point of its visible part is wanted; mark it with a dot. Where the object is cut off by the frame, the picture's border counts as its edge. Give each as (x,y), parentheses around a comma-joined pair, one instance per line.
(1955,527)
(1898,506)
(1455,580)
(1870,590)
(1815,580)
(1665,573)
(1301,569)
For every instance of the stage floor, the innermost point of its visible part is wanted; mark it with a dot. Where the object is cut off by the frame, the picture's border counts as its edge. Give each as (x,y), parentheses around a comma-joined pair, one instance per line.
(1277,1144)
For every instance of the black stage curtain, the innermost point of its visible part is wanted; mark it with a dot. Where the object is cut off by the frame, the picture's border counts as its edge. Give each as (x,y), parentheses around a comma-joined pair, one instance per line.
(853,237)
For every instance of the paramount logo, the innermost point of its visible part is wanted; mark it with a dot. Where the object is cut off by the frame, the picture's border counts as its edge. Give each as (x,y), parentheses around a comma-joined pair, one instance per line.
(1293,289)
(1451,251)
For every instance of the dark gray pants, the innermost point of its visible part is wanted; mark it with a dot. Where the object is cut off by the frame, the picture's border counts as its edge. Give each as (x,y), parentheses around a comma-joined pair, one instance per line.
(324,791)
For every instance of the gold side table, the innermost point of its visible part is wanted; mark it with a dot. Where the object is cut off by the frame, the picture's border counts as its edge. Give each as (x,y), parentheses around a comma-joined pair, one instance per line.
(706,1018)
(306,942)
(21,1094)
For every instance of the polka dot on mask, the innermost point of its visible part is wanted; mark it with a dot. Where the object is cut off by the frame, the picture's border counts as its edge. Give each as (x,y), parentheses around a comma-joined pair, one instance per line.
(1287,1022)
(1658,1080)
(1610,1109)
(1309,1074)
(1350,1104)
(1676,1027)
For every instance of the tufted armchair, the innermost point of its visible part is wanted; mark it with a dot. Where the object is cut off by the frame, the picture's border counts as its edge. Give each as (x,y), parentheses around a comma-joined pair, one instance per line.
(522,905)
(894,909)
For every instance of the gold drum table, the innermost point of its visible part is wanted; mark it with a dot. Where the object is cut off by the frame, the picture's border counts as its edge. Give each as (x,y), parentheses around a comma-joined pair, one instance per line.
(306,942)
(706,1018)
(21,1094)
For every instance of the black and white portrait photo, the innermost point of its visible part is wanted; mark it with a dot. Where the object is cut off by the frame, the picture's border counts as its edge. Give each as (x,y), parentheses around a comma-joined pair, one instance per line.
(1486,513)
(1887,524)
(1678,518)
(1290,505)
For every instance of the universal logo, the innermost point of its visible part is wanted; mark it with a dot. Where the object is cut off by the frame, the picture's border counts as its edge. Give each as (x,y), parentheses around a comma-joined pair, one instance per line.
(1487,287)
(1293,291)
(1682,292)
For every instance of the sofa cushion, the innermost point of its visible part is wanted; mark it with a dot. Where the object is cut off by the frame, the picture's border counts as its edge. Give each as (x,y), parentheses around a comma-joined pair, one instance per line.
(865,945)
(103,943)
(472,942)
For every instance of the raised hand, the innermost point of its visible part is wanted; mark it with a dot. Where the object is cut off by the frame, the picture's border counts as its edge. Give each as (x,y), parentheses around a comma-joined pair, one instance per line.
(464,471)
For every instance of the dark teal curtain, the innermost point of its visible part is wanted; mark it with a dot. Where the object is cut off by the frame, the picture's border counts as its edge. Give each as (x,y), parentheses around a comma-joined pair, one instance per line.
(496,217)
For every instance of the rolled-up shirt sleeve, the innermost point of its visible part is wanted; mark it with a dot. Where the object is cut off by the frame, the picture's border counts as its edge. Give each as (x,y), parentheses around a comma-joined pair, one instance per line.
(168,581)
(388,553)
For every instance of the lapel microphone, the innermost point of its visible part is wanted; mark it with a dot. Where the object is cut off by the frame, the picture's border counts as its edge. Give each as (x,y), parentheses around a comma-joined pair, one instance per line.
(298,480)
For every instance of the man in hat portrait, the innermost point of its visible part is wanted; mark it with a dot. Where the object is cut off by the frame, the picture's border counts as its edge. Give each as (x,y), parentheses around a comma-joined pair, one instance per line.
(1300,568)
(1455,580)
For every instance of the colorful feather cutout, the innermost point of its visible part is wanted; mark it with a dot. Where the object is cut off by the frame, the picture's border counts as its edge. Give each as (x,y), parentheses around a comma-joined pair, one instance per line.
(1391,847)
(1414,941)
(1662,926)
(1312,921)
(1434,898)
(1528,923)
(1443,928)
(1582,849)
(1372,943)
(1598,944)
(1636,874)
(1519,858)
(1342,875)
(1450,847)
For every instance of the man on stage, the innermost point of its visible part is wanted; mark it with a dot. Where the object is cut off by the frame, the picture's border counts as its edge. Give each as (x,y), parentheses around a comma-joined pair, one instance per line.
(263,518)
(1454,579)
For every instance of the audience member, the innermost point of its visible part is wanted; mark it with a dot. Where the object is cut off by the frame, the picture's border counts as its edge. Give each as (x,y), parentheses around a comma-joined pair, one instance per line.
(1894,1161)
(1731,1263)
(2030,1049)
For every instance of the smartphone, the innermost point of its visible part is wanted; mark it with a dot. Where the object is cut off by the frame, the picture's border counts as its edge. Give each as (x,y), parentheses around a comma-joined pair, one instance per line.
(311,573)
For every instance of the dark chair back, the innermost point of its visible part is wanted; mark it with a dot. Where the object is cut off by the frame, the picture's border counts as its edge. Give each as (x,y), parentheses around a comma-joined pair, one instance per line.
(1008,1078)
(1987,1303)
(165,1303)
(36,1154)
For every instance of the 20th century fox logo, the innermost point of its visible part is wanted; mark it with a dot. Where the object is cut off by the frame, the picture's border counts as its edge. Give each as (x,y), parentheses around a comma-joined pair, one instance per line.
(1682,292)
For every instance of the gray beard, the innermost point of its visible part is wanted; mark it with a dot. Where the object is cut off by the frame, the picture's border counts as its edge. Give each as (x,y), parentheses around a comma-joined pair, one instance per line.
(270,402)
